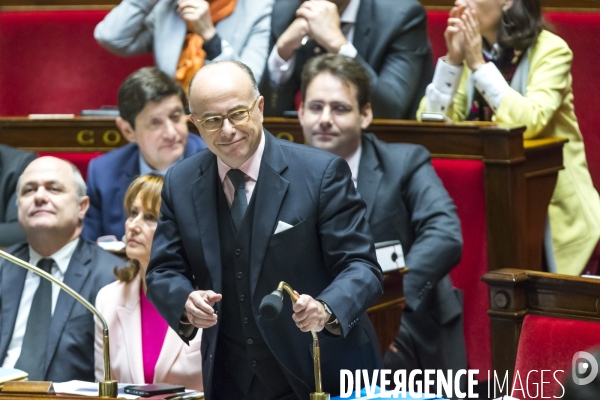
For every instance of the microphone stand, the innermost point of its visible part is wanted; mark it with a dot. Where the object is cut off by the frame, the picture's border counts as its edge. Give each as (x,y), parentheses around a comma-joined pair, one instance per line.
(109,387)
(318,394)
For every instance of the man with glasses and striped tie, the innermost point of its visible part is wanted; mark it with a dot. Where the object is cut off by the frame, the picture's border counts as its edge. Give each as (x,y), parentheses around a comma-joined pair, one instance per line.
(239,219)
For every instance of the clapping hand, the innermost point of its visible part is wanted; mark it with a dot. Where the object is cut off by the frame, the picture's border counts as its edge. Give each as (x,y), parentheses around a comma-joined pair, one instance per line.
(197,12)
(472,40)
(323,19)
(455,41)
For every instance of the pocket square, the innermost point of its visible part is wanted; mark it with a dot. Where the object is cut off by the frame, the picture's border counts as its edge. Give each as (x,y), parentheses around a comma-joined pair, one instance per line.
(281,227)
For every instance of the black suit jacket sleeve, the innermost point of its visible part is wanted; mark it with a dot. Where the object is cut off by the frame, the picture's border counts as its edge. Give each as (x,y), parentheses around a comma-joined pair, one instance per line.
(347,247)
(438,241)
(171,278)
(398,61)
(12,164)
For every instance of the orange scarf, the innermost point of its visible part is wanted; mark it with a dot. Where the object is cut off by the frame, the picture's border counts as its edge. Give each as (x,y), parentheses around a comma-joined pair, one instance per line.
(192,56)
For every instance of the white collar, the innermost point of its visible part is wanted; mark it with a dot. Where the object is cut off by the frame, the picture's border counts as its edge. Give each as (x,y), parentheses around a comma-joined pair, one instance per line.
(62,257)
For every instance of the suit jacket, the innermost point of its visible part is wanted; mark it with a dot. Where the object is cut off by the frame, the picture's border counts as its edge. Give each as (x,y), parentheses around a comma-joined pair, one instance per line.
(392,43)
(12,164)
(328,254)
(119,304)
(547,111)
(145,26)
(70,351)
(108,178)
(406,201)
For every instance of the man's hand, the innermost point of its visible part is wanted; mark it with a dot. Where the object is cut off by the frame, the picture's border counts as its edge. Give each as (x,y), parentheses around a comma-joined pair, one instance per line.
(199,308)
(323,19)
(291,39)
(309,314)
(197,12)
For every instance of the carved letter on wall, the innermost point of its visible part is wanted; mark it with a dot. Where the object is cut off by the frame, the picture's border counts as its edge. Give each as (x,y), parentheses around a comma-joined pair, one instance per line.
(111,138)
(85,137)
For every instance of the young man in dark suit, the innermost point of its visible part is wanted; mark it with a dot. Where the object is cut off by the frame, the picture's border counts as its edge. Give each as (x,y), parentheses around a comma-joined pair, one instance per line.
(406,201)
(12,164)
(239,219)
(43,330)
(388,37)
(152,118)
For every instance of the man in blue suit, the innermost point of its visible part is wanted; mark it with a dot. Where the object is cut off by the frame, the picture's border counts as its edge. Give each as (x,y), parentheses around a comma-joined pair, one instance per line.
(43,330)
(153,119)
(239,219)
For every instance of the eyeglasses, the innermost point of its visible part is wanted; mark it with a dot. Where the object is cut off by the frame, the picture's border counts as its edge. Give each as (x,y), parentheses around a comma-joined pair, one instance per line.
(238,117)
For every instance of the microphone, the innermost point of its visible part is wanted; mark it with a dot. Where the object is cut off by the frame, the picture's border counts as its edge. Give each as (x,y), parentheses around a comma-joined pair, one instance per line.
(270,308)
(109,387)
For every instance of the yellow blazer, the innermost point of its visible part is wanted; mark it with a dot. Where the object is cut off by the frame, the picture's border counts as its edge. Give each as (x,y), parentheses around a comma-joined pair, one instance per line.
(547,111)
(177,363)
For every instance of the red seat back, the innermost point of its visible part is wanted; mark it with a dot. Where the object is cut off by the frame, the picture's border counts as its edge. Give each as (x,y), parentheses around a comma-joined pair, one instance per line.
(463,179)
(549,344)
(51,63)
(79,159)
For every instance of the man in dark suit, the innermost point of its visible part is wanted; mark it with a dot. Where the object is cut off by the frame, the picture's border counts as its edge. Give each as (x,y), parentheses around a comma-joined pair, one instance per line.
(43,330)
(153,119)
(239,219)
(12,164)
(388,37)
(406,201)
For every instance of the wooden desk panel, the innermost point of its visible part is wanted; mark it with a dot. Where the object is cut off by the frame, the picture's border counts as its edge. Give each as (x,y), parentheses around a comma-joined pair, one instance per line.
(519,175)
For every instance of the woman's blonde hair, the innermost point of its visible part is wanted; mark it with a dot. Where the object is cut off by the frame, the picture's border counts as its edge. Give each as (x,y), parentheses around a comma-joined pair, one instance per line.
(149,188)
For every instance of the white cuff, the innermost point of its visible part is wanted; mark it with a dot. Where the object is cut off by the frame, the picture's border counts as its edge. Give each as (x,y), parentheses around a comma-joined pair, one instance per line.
(348,50)
(279,69)
(488,80)
(440,92)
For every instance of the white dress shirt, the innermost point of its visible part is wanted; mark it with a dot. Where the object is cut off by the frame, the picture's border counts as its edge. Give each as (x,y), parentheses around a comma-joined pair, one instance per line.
(353,162)
(280,70)
(488,80)
(61,258)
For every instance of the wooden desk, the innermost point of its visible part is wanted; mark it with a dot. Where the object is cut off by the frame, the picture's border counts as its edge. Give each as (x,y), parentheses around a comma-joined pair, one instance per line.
(519,176)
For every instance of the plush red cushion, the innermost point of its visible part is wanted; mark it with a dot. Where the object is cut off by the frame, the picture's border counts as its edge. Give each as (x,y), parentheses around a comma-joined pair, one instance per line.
(548,343)
(463,180)
(51,63)
(80,159)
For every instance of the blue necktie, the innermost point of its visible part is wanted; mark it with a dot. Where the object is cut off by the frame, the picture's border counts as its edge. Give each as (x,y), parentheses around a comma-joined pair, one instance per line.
(33,349)
(240,202)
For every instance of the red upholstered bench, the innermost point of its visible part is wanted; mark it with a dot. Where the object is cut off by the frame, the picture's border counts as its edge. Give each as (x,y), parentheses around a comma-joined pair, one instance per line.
(464,180)
(549,344)
(51,63)
(79,159)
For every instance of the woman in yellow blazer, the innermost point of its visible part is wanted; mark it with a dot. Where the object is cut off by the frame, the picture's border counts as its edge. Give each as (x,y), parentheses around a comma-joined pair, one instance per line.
(503,66)
(143,349)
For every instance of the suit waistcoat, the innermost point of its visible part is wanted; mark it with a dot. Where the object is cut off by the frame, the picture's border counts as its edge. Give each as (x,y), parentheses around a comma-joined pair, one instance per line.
(241,353)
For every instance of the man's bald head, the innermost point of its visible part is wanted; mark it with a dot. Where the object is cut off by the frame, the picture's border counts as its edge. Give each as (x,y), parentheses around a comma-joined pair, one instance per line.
(227,109)
(52,203)
(216,70)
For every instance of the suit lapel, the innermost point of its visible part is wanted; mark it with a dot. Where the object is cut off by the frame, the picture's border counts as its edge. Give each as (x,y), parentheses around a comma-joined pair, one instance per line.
(169,352)
(369,175)
(204,193)
(75,277)
(270,191)
(13,281)
(362,29)
(130,320)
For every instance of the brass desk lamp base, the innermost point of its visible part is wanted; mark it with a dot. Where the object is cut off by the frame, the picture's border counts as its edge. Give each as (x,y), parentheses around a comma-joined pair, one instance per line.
(108,389)
(319,396)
